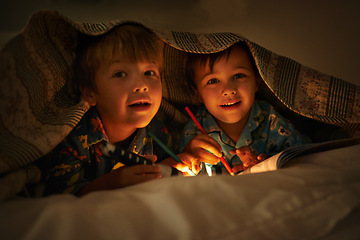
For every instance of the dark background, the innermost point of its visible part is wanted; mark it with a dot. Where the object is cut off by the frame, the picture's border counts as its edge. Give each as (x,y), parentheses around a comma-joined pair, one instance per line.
(322,34)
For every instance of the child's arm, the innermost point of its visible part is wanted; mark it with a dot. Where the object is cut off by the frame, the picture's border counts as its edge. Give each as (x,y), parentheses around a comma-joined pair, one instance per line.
(65,171)
(122,177)
(247,157)
(204,148)
(68,174)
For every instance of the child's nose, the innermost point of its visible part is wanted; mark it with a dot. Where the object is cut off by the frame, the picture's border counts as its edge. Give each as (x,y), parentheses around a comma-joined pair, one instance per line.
(229,88)
(141,89)
(141,85)
(228,91)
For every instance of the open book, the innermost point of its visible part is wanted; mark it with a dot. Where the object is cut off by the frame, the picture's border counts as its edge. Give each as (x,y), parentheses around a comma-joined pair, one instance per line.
(275,162)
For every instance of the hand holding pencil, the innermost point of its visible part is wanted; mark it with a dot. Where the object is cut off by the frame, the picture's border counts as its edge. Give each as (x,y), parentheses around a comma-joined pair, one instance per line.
(173,155)
(205,147)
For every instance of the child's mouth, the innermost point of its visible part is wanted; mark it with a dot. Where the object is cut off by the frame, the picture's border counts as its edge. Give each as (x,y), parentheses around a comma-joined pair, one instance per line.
(140,105)
(230,104)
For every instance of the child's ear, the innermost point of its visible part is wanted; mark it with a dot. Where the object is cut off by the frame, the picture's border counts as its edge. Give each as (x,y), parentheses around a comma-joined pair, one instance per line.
(197,94)
(258,82)
(88,95)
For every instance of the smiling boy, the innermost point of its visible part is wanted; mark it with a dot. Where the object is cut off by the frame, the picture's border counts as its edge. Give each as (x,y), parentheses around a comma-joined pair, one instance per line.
(119,75)
(240,127)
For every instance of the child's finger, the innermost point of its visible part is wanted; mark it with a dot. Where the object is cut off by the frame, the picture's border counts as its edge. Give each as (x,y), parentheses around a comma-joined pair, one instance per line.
(148,172)
(196,166)
(149,176)
(205,156)
(152,158)
(130,175)
(145,169)
(207,143)
(181,166)
(191,161)
(209,147)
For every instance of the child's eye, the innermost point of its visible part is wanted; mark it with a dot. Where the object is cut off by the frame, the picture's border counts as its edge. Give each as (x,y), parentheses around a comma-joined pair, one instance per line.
(213,81)
(239,75)
(150,73)
(119,74)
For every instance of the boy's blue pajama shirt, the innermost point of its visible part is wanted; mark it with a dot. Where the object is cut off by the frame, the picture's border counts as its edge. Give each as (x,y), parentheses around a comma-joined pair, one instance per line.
(265,132)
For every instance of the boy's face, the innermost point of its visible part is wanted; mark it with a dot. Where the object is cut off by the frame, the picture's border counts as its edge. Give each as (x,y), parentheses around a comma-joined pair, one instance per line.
(228,91)
(128,94)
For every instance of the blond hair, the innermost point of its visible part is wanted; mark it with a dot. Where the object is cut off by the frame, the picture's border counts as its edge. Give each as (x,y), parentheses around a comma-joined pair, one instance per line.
(128,42)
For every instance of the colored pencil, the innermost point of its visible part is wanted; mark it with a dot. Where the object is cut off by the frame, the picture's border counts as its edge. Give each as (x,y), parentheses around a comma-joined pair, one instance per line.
(166,149)
(203,131)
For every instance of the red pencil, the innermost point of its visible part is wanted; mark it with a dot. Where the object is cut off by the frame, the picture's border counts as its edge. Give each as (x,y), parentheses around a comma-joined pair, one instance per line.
(203,131)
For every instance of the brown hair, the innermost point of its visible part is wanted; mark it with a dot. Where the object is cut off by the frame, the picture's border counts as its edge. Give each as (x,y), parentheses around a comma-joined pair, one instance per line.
(130,42)
(212,58)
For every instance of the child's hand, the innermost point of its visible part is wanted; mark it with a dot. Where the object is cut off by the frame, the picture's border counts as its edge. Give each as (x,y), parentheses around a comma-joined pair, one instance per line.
(247,157)
(189,161)
(122,177)
(205,149)
(126,176)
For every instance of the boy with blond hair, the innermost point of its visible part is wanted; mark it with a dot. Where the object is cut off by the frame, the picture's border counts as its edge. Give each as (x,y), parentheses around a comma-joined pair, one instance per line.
(119,75)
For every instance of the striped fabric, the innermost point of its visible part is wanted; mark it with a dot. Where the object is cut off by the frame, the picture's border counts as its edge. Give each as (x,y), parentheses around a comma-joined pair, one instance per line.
(39,107)
(341,98)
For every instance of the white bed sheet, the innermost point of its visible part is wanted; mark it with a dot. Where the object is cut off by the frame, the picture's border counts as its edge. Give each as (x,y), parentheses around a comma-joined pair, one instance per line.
(314,197)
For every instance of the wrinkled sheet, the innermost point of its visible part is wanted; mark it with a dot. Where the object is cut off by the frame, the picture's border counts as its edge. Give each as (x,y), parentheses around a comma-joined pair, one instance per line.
(313,197)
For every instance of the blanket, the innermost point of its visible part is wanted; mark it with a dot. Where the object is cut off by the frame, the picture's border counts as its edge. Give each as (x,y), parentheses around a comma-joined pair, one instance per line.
(313,197)
(39,105)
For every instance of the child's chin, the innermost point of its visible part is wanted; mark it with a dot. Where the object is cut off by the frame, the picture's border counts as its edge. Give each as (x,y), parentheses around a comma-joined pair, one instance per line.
(229,120)
(143,123)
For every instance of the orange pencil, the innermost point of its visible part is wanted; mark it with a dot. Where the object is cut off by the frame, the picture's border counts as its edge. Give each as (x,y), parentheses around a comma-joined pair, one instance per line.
(203,131)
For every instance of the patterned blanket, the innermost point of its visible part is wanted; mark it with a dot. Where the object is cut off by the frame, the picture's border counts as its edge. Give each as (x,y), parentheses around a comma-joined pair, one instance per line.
(39,105)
